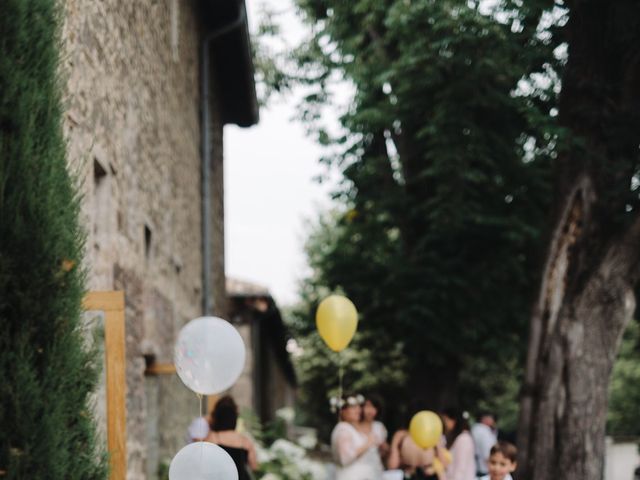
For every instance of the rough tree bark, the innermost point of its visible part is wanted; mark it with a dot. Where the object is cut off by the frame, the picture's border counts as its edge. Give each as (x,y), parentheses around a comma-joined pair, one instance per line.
(586,296)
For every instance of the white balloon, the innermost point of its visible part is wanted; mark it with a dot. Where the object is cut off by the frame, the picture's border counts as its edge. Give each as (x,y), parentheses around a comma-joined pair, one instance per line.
(202,461)
(209,355)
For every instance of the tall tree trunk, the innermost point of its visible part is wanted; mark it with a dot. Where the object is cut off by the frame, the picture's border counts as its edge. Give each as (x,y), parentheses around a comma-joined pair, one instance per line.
(576,328)
(586,296)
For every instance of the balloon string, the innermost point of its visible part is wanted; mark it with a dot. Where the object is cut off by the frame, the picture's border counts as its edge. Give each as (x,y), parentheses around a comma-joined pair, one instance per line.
(200,410)
(340,378)
(202,440)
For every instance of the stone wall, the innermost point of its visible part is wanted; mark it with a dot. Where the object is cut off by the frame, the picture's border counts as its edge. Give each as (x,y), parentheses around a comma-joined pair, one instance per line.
(133,126)
(243,390)
(262,386)
(277,391)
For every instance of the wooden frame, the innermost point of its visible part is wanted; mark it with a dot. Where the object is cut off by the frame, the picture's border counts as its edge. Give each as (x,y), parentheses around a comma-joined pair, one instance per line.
(112,304)
(160,369)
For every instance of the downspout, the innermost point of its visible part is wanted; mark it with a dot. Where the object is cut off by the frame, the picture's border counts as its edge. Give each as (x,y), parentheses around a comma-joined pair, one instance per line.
(205,80)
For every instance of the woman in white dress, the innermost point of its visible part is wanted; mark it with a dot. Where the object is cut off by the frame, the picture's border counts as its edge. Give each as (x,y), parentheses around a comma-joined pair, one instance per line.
(371,409)
(350,446)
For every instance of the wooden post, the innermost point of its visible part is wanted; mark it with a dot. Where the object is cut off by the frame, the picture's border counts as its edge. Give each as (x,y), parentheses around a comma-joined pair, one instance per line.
(112,304)
(160,369)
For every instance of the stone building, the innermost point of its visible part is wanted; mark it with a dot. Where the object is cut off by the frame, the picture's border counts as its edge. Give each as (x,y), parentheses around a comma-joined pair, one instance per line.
(148,82)
(268,381)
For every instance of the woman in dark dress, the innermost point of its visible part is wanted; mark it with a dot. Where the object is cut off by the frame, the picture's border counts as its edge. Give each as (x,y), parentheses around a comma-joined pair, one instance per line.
(223,433)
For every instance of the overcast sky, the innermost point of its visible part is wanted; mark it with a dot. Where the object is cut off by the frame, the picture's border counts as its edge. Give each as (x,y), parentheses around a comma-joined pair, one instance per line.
(269,187)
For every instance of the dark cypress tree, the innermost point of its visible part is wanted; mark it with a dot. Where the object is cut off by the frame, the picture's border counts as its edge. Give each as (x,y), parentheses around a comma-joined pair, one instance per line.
(46,430)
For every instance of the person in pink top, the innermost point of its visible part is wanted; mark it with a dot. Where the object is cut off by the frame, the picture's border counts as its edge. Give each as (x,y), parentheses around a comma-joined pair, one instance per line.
(460,443)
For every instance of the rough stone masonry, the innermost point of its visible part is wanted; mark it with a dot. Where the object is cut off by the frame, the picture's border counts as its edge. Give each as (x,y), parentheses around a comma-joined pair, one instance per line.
(132,123)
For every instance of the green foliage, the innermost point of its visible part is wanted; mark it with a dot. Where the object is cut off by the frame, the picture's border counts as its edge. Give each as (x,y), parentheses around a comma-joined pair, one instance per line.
(266,433)
(445,151)
(494,384)
(279,458)
(46,430)
(163,470)
(363,370)
(270,71)
(624,390)
(286,460)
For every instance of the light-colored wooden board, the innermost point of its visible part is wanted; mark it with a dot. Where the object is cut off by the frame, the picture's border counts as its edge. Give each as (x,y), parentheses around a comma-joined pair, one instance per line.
(112,304)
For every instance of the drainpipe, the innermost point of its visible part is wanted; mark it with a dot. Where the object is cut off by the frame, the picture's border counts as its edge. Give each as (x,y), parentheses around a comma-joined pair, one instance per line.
(205,80)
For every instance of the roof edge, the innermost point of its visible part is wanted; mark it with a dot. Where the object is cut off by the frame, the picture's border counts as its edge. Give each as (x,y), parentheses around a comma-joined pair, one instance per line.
(232,58)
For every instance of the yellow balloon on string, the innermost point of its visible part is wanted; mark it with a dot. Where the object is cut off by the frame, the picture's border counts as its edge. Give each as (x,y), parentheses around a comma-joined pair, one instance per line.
(425,429)
(336,320)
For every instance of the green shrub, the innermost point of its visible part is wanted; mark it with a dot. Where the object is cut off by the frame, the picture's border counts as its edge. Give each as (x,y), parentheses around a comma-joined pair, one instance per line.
(46,429)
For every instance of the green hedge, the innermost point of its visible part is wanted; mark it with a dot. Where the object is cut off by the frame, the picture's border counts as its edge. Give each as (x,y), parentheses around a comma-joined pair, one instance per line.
(46,430)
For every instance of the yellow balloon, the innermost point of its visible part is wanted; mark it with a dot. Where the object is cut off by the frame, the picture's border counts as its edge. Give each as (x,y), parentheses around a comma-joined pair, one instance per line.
(336,320)
(425,429)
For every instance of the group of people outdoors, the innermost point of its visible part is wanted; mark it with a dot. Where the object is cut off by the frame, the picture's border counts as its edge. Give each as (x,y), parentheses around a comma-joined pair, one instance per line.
(361,450)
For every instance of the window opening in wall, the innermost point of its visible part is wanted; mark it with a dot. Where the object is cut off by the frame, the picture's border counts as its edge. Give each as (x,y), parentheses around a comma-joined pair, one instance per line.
(100,197)
(149,361)
(177,267)
(147,242)
(99,173)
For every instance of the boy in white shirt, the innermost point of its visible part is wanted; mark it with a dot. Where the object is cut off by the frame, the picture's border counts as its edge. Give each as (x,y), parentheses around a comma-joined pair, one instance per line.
(502,461)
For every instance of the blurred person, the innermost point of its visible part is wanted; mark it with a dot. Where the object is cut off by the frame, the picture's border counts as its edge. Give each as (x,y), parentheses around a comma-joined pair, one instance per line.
(485,436)
(371,411)
(351,447)
(414,462)
(223,433)
(460,443)
(502,461)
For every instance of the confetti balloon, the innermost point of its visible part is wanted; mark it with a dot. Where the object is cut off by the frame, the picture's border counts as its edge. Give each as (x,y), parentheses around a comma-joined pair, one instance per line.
(209,355)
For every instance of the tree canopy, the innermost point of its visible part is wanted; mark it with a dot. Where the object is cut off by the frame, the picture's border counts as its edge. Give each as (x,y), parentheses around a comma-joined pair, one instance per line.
(445,150)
